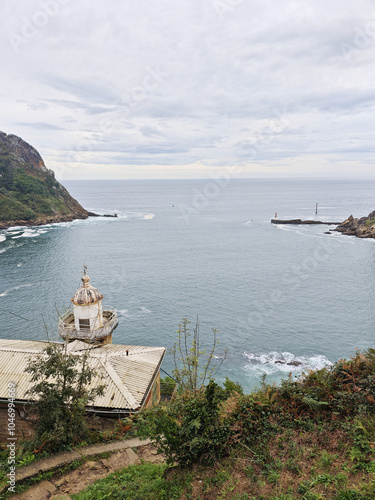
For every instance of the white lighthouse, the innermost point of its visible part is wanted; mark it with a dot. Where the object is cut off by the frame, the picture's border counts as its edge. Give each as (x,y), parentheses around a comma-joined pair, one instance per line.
(88,321)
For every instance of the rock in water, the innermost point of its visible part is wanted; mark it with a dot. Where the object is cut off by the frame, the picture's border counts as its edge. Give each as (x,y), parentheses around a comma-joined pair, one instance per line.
(29,192)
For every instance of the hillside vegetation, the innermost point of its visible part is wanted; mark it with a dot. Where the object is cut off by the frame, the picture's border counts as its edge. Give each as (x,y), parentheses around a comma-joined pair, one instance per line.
(29,192)
(307,439)
(310,438)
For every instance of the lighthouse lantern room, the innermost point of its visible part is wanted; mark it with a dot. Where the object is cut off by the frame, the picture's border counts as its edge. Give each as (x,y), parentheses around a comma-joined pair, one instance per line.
(88,321)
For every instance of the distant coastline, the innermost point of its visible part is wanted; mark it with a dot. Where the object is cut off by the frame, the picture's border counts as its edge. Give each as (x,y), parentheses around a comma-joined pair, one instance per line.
(363,227)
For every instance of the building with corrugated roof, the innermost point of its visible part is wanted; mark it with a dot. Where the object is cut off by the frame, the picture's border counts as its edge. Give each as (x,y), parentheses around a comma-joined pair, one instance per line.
(130,374)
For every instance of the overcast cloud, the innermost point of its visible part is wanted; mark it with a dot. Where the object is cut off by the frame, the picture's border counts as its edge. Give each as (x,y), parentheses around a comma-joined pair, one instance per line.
(168,89)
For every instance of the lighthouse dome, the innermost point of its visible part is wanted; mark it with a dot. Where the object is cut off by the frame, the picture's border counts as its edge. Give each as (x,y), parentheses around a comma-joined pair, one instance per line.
(86,294)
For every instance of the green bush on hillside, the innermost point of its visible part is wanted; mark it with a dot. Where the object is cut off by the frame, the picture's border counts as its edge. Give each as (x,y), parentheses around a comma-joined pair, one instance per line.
(11,209)
(203,425)
(191,428)
(27,184)
(25,197)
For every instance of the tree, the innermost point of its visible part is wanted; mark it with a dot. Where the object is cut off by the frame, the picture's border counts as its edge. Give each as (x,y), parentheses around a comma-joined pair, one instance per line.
(193,365)
(61,393)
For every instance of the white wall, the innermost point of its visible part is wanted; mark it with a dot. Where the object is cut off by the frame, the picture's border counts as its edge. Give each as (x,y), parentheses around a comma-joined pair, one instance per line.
(93,312)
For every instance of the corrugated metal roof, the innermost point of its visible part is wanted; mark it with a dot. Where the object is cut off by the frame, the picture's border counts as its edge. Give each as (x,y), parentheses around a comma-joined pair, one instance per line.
(126,371)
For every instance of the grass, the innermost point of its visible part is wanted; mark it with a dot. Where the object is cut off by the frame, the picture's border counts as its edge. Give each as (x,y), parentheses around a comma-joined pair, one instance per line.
(312,465)
(144,481)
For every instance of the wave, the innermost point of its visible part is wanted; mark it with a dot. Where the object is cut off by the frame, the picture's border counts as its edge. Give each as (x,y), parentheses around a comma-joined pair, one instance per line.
(14,288)
(16,232)
(126,314)
(14,228)
(29,232)
(306,232)
(9,245)
(135,215)
(285,362)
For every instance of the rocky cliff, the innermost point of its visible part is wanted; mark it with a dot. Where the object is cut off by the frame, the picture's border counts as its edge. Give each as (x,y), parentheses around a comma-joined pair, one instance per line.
(362,228)
(29,192)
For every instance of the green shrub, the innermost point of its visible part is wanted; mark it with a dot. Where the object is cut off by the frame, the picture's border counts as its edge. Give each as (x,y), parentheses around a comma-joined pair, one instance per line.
(167,386)
(11,209)
(190,429)
(27,184)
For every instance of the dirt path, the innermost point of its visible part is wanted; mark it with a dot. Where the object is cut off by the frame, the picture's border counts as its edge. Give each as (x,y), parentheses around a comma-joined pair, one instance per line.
(124,453)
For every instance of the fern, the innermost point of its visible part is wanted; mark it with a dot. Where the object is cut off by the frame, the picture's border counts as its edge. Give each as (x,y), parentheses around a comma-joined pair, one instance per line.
(313,404)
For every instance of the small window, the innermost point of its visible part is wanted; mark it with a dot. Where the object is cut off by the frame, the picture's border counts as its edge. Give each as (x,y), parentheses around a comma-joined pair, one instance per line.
(84,324)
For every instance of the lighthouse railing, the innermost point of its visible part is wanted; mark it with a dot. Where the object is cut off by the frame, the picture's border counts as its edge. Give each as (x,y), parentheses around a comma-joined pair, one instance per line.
(67,329)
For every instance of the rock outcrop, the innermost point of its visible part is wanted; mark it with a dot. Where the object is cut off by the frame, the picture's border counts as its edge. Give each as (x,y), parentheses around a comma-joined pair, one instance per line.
(22,153)
(29,192)
(363,227)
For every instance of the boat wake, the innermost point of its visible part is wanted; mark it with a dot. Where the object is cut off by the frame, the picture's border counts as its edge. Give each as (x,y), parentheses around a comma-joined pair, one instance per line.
(4,294)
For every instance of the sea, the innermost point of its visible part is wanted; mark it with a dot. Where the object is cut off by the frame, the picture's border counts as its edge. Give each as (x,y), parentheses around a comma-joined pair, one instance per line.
(284,299)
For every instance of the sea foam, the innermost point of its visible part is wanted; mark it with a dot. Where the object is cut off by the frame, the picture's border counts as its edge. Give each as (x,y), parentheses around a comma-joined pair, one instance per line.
(284,362)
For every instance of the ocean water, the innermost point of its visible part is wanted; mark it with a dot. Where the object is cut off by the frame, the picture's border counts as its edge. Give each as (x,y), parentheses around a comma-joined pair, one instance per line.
(285,299)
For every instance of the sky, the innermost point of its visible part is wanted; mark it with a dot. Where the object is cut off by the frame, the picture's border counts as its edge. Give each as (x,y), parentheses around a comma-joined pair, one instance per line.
(148,89)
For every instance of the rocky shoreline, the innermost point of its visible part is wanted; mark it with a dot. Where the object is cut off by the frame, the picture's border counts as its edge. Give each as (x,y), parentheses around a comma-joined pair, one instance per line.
(43,221)
(363,227)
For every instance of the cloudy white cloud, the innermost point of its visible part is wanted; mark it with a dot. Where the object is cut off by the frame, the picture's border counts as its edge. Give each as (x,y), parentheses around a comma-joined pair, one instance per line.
(181,89)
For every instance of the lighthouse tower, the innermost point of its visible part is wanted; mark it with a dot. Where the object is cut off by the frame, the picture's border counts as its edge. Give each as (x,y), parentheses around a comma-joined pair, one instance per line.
(88,321)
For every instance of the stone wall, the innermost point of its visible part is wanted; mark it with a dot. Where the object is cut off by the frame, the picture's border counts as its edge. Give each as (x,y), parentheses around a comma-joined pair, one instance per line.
(24,424)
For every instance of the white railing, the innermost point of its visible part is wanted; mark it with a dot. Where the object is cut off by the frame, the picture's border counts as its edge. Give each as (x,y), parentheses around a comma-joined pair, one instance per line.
(67,329)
